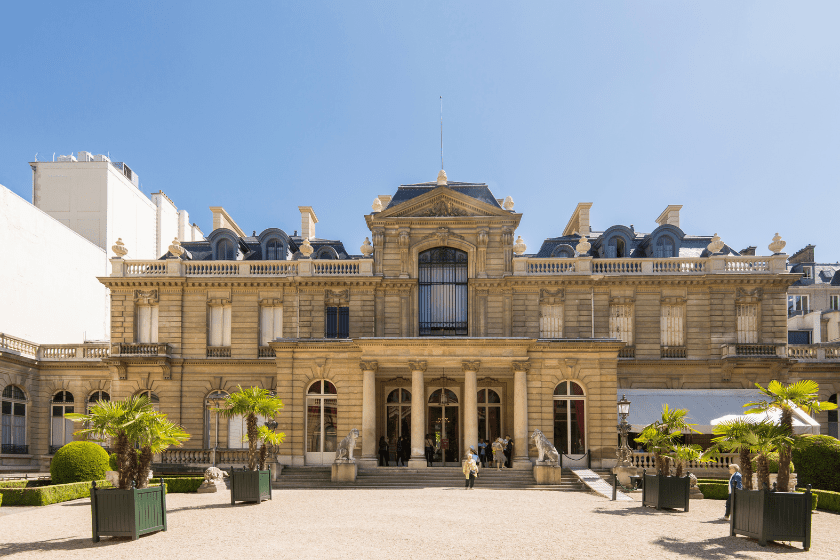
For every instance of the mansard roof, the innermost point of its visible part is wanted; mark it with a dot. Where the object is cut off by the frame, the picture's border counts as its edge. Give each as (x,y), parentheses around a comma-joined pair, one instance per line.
(689,245)
(252,247)
(822,274)
(479,191)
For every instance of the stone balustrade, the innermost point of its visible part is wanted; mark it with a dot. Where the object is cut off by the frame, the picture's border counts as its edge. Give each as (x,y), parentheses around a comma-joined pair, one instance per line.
(814,352)
(203,457)
(753,350)
(719,467)
(16,345)
(303,267)
(532,266)
(52,352)
(141,349)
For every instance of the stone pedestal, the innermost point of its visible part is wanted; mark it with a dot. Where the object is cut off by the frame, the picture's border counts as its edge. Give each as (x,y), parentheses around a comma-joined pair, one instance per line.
(694,493)
(276,471)
(624,474)
(344,472)
(547,474)
(209,486)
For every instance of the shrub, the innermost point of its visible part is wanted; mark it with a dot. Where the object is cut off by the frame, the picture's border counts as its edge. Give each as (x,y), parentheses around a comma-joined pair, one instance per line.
(818,463)
(79,461)
(829,501)
(183,484)
(112,462)
(714,491)
(772,462)
(31,495)
(1,499)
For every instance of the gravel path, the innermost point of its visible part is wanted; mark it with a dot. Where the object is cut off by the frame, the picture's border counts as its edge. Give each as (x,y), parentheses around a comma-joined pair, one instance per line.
(403,524)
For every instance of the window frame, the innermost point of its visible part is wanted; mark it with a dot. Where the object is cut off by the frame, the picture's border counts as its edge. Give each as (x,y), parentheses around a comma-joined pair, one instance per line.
(9,433)
(337,322)
(569,398)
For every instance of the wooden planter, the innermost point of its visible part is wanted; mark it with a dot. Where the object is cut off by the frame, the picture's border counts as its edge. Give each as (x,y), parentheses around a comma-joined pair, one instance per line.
(127,513)
(665,491)
(250,486)
(772,516)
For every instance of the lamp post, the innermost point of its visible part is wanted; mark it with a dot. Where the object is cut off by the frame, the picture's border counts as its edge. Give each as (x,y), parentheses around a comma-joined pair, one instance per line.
(215,400)
(623,452)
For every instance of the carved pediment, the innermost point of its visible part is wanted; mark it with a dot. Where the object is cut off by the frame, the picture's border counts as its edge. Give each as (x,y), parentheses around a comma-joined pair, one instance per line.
(443,203)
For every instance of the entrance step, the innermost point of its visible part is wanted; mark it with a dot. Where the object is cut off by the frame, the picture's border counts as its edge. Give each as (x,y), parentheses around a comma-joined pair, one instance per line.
(405,478)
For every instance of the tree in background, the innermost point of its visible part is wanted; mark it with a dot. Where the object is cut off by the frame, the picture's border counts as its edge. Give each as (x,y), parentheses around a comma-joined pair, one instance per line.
(252,403)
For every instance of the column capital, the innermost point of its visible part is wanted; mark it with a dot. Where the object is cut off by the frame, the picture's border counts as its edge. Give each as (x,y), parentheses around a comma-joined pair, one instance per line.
(470,366)
(520,366)
(369,366)
(417,365)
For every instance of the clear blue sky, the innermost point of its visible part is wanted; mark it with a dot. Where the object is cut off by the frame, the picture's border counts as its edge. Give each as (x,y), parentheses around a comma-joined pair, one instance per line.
(729,108)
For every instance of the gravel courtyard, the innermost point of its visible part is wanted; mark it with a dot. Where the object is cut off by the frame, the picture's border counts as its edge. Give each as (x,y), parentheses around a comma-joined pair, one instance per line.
(429,523)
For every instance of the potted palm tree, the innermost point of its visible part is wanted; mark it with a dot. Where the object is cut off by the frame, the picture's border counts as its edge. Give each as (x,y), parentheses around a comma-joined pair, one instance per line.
(660,438)
(734,436)
(253,484)
(133,508)
(802,394)
(768,515)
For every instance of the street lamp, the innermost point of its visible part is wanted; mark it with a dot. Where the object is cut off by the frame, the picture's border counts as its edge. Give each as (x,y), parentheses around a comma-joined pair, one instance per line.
(215,400)
(623,452)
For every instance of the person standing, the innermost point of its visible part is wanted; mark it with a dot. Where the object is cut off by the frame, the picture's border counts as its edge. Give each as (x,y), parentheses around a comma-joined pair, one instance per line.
(482,453)
(399,457)
(430,450)
(470,469)
(734,482)
(406,448)
(498,452)
(508,452)
(383,452)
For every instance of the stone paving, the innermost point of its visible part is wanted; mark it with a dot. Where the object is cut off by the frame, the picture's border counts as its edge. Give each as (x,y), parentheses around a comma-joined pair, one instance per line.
(403,524)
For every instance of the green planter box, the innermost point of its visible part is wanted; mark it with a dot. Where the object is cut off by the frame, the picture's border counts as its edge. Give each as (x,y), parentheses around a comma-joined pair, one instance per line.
(250,486)
(772,516)
(665,491)
(127,513)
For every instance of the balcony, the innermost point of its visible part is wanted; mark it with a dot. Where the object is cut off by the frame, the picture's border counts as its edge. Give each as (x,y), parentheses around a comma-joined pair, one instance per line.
(627,352)
(140,349)
(672,351)
(266,352)
(89,351)
(303,267)
(218,351)
(826,352)
(532,266)
(10,449)
(753,350)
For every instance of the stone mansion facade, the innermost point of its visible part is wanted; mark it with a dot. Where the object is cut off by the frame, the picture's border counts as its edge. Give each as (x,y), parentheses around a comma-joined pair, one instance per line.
(444,325)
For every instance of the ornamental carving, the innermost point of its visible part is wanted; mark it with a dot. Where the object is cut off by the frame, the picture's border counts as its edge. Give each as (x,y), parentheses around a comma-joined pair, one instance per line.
(416,366)
(470,366)
(369,366)
(748,296)
(337,298)
(552,297)
(442,235)
(716,245)
(119,248)
(218,302)
(271,302)
(520,366)
(146,297)
(441,209)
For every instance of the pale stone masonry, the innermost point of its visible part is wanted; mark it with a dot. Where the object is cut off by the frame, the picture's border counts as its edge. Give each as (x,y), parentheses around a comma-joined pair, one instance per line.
(448,314)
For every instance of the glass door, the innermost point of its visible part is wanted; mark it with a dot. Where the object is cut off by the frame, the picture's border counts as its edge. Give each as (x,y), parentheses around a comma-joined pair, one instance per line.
(321,424)
(443,426)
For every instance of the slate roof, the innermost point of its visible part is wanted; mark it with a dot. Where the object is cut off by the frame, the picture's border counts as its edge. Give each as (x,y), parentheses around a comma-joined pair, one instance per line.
(822,274)
(479,191)
(203,251)
(690,246)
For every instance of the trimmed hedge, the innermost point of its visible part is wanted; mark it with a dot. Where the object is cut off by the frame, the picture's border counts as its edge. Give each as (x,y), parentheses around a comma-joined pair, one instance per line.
(79,461)
(46,495)
(772,464)
(1,499)
(814,498)
(182,485)
(818,463)
(14,483)
(714,491)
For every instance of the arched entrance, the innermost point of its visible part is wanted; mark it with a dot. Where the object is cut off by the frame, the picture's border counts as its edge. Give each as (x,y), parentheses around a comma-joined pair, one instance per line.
(321,423)
(444,427)
(398,415)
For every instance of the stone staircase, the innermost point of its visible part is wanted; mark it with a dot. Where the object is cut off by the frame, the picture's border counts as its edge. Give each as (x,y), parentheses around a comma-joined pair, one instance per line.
(405,478)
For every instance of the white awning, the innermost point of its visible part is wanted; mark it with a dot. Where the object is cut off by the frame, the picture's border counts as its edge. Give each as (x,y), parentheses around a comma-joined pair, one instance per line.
(706,408)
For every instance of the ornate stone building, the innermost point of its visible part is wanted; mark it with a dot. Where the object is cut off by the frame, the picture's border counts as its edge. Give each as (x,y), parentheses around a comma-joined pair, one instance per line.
(443,326)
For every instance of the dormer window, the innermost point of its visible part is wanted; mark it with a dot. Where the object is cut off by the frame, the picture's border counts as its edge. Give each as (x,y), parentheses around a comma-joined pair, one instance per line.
(664,247)
(225,250)
(616,248)
(274,250)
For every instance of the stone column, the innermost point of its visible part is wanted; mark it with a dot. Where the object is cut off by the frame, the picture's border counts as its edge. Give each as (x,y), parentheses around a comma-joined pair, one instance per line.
(470,405)
(368,458)
(520,415)
(418,416)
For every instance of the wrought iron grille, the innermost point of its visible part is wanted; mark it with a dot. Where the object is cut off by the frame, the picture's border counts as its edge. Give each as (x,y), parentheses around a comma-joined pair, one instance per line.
(14,449)
(443,292)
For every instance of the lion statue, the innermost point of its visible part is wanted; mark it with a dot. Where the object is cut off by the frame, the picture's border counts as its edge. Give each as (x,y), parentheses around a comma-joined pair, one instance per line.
(214,474)
(344,452)
(546,451)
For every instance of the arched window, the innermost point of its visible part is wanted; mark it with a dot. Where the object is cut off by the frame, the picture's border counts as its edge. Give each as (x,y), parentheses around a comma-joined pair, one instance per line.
(13,420)
(225,250)
(616,248)
(664,247)
(443,426)
(274,250)
(152,397)
(95,397)
(489,415)
(570,418)
(321,423)
(398,414)
(61,429)
(832,418)
(443,292)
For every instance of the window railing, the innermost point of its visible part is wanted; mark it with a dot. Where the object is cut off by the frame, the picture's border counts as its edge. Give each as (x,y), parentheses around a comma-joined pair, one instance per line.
(140,349)
(266,352)
(218,351)
(12,449)
(524,266)
(754,350)
(672,352)
(627,352)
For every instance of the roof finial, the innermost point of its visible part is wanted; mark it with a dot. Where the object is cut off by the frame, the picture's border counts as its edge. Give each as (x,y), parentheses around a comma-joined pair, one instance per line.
(441,180)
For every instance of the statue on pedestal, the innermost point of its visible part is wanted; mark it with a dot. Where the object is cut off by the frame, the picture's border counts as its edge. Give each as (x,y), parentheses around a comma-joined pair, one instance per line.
(344,452)
(544,448)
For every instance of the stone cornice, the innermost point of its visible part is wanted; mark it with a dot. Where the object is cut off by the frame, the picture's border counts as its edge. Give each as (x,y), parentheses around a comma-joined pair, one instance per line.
(139,281)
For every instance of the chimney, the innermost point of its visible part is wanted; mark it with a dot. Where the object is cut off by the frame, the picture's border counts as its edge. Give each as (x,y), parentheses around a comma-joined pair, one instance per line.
(805,255)
(670,216)
(307,222)
(221,219)
(579,222)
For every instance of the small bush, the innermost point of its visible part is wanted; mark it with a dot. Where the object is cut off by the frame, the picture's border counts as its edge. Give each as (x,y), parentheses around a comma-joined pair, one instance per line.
(772,463)
(183,484)
(818,463)
(1,499)
(112,462)
(829,501)
(714,491)
(79,461)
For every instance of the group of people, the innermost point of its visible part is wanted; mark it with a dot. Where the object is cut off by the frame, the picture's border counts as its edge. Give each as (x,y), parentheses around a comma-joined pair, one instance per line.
(502,452)
(403,451)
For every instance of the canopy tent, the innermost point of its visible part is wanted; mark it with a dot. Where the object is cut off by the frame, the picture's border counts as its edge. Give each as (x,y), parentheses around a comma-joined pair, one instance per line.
(706,408)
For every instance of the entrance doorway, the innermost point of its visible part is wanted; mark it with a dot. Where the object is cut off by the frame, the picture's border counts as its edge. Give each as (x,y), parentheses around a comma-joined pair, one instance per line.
(489,415)
(321,423)
(398,414)
(444,427)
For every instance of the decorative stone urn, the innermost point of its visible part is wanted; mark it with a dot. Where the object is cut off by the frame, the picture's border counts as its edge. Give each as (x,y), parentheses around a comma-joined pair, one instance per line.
(508,204)
(377,205)
(176,248)
(367,248)
(306,249)
(777,245)
(119,248)
(583,246)
(519,247)
(716,246)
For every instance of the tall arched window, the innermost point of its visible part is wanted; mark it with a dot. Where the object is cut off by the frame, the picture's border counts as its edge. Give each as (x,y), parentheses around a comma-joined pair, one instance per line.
(442,288)
(398,414)
(61,429)
(152,397)
(570,418)
(664,247)
(489,415)
(225,250)
(274,250)
(616,248)
(832,418)
(321,423)
(95,397)
(13,420)
(443,426)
